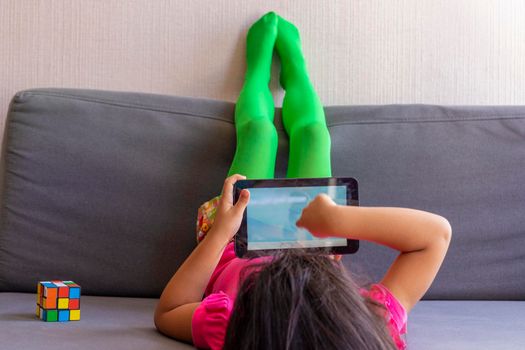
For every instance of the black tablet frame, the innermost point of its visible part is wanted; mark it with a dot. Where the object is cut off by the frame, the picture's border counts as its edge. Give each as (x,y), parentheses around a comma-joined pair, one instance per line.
(352,198)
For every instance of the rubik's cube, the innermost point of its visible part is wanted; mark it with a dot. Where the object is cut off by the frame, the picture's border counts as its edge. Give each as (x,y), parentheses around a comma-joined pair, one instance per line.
(58,301)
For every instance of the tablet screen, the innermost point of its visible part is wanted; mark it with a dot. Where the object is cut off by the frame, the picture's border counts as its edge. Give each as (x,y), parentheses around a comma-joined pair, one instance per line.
(275,205)
(272,213)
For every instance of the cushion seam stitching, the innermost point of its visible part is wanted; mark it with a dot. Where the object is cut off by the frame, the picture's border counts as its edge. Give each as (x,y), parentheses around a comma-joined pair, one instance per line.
(398,121)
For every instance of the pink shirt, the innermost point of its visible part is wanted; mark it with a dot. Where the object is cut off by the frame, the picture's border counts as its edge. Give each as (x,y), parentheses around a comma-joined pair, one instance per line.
(210,319)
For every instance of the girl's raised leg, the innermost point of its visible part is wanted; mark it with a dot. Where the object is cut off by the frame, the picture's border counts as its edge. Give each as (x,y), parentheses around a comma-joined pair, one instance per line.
(303,114)
(254,111)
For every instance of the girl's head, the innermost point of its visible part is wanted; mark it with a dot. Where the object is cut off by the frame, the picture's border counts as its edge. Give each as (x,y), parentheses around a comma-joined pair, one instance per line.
(304,301)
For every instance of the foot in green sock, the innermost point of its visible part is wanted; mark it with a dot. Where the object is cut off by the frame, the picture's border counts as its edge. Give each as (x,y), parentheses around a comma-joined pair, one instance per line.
(259,47)
(255,99)
(254,111)
(288,45)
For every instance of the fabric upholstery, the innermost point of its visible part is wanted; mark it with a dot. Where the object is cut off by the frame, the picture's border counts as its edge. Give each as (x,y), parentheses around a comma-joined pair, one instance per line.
(467,325)
(127,323)
(103,187)
(105,323)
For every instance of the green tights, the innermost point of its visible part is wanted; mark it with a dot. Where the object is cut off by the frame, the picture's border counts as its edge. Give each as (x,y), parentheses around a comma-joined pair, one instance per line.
(302,112)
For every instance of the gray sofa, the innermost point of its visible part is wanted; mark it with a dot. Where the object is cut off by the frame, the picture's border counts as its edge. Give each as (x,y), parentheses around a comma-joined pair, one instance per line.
(102,188)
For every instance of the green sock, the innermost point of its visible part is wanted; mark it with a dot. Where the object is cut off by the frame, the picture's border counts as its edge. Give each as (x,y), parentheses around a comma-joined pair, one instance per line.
(303,113)
(254,111)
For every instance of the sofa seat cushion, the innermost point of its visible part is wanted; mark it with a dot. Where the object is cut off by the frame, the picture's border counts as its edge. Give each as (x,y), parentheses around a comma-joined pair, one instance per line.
(127,323)
(467,325)
(105,323)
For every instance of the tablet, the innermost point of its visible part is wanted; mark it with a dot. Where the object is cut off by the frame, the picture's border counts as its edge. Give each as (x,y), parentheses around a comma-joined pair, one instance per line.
(275,205)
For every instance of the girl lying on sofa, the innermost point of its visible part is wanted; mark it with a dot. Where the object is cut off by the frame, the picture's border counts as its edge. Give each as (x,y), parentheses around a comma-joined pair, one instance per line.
(295,300)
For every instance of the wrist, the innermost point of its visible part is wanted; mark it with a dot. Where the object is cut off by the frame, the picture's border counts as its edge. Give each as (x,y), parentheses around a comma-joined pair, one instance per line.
(218,237)
(335,221)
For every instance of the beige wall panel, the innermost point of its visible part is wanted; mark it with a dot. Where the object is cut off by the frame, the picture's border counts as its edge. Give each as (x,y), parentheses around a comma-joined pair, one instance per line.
(358,52)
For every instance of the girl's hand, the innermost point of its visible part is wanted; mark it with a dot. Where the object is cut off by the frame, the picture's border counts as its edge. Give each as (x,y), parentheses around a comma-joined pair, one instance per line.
(320,217)
(228,218)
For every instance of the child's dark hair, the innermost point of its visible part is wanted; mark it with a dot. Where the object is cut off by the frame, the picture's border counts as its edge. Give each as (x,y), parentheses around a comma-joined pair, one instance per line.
(304,301)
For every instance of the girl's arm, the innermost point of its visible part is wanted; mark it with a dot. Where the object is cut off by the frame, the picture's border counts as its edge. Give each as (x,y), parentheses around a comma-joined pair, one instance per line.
(183,293)
(421,237)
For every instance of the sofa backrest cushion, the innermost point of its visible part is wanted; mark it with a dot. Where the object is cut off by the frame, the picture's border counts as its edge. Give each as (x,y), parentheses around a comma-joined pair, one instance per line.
(103,187)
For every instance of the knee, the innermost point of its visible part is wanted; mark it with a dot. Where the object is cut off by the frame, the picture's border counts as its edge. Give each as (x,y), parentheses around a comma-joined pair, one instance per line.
(257,127)
(311,131)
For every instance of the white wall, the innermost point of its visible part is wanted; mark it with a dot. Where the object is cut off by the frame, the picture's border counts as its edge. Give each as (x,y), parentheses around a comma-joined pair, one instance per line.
(358,52)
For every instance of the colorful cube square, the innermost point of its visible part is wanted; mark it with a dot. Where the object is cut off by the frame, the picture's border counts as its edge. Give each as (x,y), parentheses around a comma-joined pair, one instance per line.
(63,303)
(58,301)
(74,315)
(50,315)
(74,304)
(74,292)
(63,315)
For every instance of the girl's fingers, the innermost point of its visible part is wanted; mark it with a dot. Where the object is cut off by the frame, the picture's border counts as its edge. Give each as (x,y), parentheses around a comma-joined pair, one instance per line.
(241,204)
(336,257)
(227,190)
(299,223)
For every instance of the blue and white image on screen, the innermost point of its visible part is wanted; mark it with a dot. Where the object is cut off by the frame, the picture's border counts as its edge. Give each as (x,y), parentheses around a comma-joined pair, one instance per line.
(272,213)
